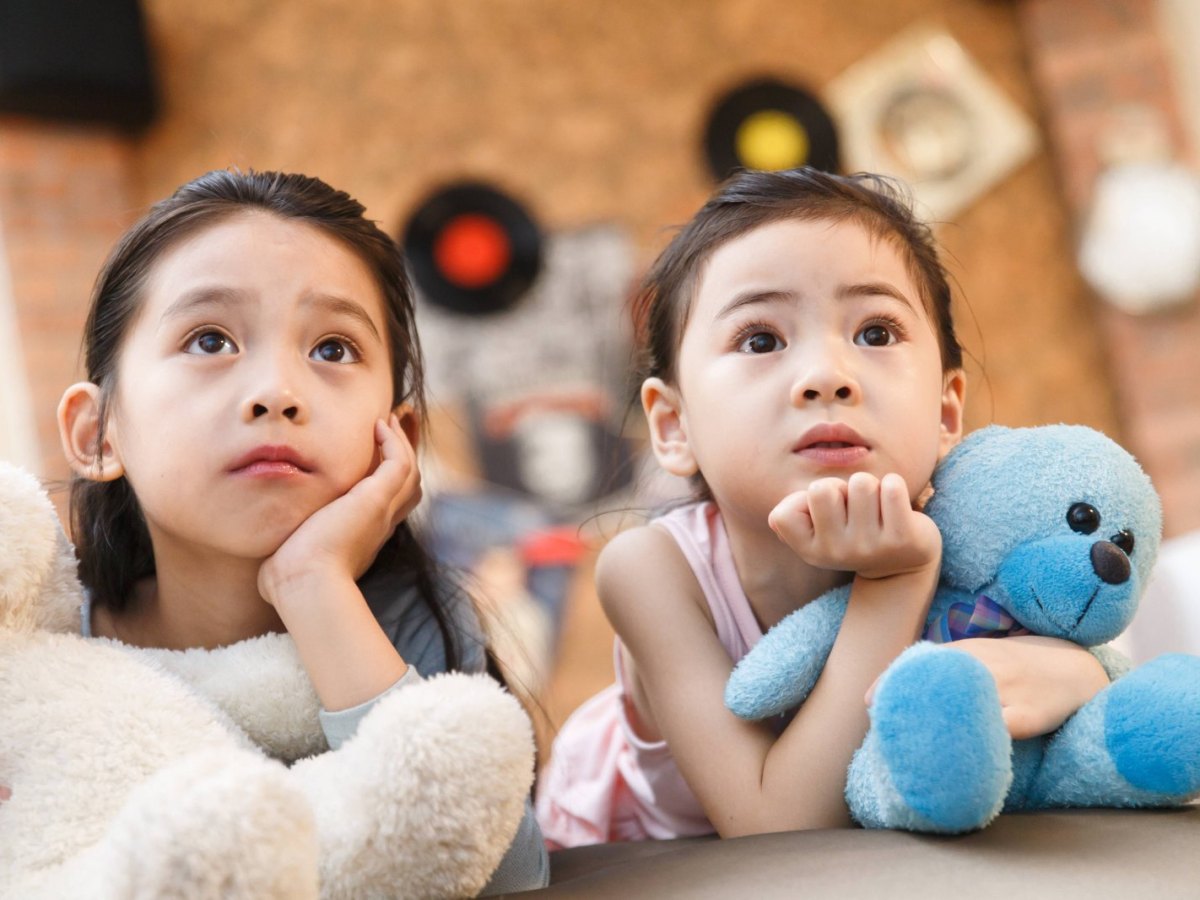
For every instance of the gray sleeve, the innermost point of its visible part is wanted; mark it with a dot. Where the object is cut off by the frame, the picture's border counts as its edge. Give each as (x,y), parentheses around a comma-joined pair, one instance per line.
(340,726)
(414,631)
(526,865)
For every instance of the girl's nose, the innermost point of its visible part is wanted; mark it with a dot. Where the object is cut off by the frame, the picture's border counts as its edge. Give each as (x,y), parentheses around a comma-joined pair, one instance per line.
(282,407)
(824,379)
(274,400)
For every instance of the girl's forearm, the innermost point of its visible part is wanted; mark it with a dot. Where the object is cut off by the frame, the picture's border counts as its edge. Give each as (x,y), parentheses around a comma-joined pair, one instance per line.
(804,773)
(347,655)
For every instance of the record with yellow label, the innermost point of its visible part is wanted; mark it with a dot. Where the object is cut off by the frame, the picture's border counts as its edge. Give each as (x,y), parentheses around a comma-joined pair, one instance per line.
(769,125)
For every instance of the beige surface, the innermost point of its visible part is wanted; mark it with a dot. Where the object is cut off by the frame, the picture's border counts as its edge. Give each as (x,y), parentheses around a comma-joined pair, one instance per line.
(1085,854)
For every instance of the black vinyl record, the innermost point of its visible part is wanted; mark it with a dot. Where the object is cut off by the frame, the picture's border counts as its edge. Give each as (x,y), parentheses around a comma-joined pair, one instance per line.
(769,125)
(472,249)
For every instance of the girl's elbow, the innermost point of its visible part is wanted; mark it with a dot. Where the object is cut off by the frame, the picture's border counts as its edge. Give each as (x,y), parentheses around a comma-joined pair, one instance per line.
(771,822)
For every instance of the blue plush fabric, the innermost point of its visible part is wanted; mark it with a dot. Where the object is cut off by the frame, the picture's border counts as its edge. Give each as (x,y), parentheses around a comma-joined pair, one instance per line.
(1060,527)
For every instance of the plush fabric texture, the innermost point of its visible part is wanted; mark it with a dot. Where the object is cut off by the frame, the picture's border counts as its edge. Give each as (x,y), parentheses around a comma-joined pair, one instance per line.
(149,773)
(1058,527)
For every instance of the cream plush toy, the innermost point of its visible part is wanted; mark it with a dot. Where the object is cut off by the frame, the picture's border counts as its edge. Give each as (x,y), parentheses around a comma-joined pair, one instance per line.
(138,773)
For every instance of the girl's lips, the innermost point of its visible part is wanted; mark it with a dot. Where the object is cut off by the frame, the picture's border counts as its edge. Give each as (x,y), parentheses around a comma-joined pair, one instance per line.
(834,455)
(266,468)
(271,461)
(832,444)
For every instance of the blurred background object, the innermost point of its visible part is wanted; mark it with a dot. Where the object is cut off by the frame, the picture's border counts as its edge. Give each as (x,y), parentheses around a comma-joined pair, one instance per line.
(605,125)
(1140,241)
(922,109)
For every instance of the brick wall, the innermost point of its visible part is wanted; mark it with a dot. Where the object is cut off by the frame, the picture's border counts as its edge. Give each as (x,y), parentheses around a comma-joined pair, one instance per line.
(1089,59)
(65,196)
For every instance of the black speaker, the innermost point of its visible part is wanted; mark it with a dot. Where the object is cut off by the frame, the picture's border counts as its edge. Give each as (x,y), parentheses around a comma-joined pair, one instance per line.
(80,60)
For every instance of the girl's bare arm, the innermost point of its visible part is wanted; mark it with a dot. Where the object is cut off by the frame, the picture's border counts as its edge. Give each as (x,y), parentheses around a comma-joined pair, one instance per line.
(747,780)
(1041,680)
(311,579)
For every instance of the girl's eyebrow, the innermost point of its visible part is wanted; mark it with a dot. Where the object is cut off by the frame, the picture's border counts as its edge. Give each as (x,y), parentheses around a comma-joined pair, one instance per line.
(218,297)
(342,306)
(844,292)
(201,298)
(873,289)
(754,297)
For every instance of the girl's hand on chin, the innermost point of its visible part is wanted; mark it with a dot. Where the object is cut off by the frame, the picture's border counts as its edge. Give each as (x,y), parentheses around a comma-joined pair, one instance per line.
(864,525)
(343,538)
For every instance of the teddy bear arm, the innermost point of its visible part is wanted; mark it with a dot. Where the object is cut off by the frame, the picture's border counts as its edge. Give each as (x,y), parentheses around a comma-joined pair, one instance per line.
(780,671)
(425,798)
(1115,663)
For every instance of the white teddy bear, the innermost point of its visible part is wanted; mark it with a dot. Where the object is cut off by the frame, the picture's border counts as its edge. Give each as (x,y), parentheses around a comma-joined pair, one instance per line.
(139,773)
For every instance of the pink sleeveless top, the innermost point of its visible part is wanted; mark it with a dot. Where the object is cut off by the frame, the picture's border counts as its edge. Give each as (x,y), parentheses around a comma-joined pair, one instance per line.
(604,783)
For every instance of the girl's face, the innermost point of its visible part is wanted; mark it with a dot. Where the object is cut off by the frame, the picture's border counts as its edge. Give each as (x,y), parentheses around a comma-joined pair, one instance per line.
(807,353)
(249,384)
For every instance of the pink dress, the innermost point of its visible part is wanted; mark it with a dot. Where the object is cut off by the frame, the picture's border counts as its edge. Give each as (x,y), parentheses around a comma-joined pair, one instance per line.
(603,782)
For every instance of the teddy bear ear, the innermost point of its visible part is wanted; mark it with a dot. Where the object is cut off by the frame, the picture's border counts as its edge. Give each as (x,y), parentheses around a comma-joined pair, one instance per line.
(29,538)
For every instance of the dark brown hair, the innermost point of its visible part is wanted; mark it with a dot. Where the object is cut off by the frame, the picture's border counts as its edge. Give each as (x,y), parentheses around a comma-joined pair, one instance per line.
(108,529)
(751,199)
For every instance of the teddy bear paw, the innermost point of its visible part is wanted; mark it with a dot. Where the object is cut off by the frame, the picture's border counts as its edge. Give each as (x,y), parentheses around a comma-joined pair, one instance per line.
(1152,727)
(938,756)
(214,825)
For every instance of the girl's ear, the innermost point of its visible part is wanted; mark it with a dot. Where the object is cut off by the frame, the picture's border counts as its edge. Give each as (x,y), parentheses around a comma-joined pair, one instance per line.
(79,428)
(410,423)
(668,431)
(954,393)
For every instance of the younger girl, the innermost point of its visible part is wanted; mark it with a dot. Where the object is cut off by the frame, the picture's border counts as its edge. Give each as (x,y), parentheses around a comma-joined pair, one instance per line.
(801,368)
(244,449)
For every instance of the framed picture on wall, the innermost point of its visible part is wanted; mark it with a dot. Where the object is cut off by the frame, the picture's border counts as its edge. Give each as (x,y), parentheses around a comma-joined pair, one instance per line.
(922,110)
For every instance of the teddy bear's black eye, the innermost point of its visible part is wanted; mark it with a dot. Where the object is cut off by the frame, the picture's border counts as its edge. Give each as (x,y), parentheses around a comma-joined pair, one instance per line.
(1124,540)
(1083,517)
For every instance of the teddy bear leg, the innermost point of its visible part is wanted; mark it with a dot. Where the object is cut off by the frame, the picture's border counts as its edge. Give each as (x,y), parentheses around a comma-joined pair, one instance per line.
(937,757)
(1137,743)
(216,824)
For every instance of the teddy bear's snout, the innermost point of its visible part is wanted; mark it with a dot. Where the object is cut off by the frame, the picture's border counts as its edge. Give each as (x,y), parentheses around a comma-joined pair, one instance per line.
(1110,562)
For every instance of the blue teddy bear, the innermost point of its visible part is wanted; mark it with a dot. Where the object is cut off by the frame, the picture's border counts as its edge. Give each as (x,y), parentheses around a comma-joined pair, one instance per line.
(1050,530)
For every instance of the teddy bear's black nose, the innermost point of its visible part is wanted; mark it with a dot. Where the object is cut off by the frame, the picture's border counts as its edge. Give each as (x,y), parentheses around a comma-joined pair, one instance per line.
(1110,562)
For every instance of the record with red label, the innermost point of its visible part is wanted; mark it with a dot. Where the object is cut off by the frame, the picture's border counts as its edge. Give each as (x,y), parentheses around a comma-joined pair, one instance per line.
(472,249)
(769,125)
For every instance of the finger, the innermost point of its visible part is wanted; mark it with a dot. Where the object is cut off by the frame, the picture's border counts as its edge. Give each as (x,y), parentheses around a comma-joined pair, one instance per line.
(395,467)
(827,505)
(391,442)
(790,519)
(862,502)
(408,498)
(895,507)
(398,472)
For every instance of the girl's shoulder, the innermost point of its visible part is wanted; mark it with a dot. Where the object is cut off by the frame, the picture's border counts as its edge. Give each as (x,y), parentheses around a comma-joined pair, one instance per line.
(643,562)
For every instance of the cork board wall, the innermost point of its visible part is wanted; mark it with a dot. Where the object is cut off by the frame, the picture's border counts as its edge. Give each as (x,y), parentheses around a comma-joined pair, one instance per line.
(590,112)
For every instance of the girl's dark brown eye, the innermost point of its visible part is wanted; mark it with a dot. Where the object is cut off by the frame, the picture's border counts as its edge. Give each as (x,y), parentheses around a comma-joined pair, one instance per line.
(1124,540)
(876,336)
(760,342)
(1083,518)
(331,351)
(212,342)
